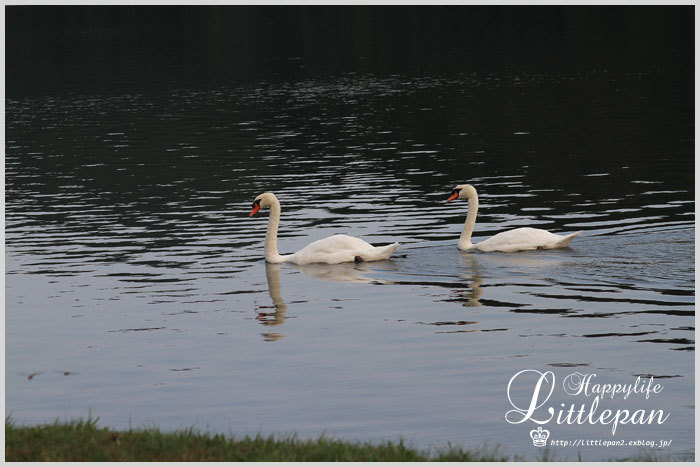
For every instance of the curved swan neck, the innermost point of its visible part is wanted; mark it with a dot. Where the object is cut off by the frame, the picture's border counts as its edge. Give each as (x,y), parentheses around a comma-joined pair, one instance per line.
(465,240)
(271,253)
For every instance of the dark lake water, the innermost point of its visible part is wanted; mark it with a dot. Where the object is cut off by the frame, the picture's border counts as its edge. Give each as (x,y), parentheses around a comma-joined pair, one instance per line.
(136,287)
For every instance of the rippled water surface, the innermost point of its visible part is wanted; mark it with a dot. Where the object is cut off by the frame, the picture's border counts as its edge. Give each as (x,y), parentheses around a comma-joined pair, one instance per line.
(136,287)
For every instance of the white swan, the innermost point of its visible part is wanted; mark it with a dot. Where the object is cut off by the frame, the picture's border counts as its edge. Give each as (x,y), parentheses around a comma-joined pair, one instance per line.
(331,250)
(524,238)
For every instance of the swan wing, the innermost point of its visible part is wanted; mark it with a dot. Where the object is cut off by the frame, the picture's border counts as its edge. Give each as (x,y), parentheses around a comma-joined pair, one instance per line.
(341,249)
(525,238)
(336,243)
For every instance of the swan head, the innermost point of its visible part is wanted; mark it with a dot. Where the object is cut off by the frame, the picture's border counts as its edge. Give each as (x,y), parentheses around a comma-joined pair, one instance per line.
(262,201)
(462,192)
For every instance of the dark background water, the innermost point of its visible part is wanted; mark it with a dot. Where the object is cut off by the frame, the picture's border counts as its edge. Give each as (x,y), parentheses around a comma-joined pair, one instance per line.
(589,51)
(133,47)
(137,137)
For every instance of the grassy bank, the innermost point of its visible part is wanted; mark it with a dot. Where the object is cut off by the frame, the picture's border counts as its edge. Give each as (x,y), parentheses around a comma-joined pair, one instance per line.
(82,440)
(85,441)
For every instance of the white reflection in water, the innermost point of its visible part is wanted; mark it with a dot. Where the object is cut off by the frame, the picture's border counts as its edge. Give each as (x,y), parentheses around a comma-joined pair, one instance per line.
(275,289)
(343,273)
(346,272)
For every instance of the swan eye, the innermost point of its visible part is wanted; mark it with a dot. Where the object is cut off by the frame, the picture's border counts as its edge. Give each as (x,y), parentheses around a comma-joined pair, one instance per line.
(256,203)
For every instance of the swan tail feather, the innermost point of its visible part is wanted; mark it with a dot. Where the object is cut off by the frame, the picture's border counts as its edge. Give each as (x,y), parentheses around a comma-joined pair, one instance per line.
(379,253)
(564,242)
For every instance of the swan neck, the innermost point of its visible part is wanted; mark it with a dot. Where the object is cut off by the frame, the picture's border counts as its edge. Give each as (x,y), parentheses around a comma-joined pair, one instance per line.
(271,253)
(465,240)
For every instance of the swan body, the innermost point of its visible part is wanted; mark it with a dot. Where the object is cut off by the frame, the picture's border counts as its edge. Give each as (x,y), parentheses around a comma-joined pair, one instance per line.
(521,239)
(331,250)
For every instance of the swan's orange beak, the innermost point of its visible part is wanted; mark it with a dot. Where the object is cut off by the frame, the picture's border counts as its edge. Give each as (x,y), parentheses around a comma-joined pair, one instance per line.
(256,208)
(454,195)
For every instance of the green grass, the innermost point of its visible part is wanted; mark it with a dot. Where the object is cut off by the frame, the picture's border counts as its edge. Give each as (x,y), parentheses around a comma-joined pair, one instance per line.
(81,440)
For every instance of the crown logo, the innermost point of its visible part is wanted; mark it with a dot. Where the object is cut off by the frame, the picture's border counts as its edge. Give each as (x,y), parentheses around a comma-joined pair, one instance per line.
(539,437)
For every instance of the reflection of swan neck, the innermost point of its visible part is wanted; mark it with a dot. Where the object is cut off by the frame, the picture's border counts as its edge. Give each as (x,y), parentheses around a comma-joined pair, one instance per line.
(275,288)
(271,253)
(477,291)
(465,240)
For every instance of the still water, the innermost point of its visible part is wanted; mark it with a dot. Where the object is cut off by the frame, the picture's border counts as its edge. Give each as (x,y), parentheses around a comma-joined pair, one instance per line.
(136,288)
